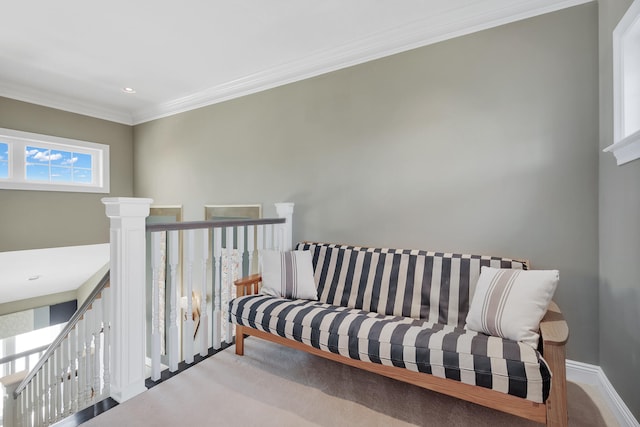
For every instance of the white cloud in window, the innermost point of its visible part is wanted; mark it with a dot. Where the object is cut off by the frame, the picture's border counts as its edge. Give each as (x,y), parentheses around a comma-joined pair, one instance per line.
(43,156)
(69,161)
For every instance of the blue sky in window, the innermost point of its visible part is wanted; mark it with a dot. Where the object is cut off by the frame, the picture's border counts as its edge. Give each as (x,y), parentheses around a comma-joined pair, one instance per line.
(82,176)
(84,160)
(4,160)
(57,166)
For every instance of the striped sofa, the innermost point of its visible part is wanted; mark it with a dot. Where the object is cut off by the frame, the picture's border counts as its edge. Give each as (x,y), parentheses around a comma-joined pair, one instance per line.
(401,313)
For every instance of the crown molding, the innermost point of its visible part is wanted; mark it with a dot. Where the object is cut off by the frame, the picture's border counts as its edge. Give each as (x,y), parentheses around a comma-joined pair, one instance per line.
(476,16)
(60,102)
(437,28)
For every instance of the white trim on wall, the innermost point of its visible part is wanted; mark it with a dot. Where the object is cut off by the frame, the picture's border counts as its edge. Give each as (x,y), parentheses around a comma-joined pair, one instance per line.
(27,94)
(626,68)
(626,149)
(593,375)
(459,22)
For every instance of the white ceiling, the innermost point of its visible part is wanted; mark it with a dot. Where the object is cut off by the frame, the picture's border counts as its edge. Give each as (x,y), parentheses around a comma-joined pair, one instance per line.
(77,55)
(57,270)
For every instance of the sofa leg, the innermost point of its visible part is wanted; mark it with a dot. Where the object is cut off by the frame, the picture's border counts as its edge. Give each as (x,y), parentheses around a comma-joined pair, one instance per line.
(239,340)
(557,415)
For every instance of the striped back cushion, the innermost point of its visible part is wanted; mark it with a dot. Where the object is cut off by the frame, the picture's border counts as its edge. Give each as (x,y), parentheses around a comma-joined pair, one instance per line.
(434,286)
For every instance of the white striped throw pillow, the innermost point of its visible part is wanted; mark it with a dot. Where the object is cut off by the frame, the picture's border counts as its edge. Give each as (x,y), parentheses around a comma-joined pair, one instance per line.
(288,275)
(510,303)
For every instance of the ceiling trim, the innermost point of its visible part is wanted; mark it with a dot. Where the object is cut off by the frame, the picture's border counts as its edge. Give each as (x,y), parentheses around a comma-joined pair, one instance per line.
(65,103)
(421,33)
(478,15)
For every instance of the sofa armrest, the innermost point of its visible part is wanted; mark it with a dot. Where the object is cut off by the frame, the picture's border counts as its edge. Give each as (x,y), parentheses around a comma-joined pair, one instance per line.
(553,328)
(249,285)
(554,333)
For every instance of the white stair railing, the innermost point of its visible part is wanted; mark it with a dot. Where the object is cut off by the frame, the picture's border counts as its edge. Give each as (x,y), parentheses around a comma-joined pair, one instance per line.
(71,374)
(215,254)
(101,352)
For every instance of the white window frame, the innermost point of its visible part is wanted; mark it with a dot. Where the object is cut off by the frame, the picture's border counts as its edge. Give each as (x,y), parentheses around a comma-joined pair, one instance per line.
(626,67)
(18,141)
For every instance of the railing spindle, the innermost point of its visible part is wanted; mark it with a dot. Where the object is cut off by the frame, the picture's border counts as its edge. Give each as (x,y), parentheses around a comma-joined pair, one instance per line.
(81,364)
(173,241)
(241,257)
(22,409)
(45,401)
(217,292)
(260,245)
(59,383)
(52,389)
(106,334)
(187,337)
(30,413)
(34,391)
(155,306)
(88,395)
(229,260)
(65,373)
(73,362)
(204,317)
(250,248)
(97,353)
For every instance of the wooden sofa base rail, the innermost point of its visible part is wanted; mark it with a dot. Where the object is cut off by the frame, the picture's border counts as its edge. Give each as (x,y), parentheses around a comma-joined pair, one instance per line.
(482,396)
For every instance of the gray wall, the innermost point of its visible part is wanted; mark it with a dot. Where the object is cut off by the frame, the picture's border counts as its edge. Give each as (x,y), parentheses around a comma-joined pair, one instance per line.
(43,219)
(485,144)
(619,237)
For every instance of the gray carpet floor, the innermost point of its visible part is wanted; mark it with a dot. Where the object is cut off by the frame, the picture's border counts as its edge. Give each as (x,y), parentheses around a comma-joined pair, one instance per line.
(276,386)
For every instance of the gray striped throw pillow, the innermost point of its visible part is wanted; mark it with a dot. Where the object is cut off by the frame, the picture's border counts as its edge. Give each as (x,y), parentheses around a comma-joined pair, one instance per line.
(510,303)
(288,275)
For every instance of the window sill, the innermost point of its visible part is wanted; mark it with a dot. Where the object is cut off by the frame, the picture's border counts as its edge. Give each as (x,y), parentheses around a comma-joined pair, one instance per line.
(53,187)
(626,149)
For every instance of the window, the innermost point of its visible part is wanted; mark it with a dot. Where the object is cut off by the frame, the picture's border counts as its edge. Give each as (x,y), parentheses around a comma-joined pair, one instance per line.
(4,160)
(48,165)
(30,161)
(626,87)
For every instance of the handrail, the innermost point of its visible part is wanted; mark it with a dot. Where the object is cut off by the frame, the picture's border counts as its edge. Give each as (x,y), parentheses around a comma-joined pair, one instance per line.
(214,223)
(64,332)
(17,356)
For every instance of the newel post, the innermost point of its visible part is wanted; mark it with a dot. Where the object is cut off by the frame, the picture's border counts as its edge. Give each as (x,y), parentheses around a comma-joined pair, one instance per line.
(285,210)
(128,317)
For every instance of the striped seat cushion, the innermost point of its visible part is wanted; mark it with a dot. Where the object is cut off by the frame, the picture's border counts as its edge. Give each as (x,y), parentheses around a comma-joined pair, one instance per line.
(411,283)
(418,345)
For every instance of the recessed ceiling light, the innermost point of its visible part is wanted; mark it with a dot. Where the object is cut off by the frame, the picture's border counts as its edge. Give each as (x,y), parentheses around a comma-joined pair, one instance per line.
(128,90)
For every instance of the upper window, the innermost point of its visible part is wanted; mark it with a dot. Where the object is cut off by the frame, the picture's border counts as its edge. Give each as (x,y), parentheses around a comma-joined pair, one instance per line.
(4,160)
(626,87)
(30,161)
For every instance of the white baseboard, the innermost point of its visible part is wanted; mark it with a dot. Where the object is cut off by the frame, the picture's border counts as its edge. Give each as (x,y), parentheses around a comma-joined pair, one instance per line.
(593,375)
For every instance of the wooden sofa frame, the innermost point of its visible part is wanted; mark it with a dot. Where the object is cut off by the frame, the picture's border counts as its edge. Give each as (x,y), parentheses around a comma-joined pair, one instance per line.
(554,335)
